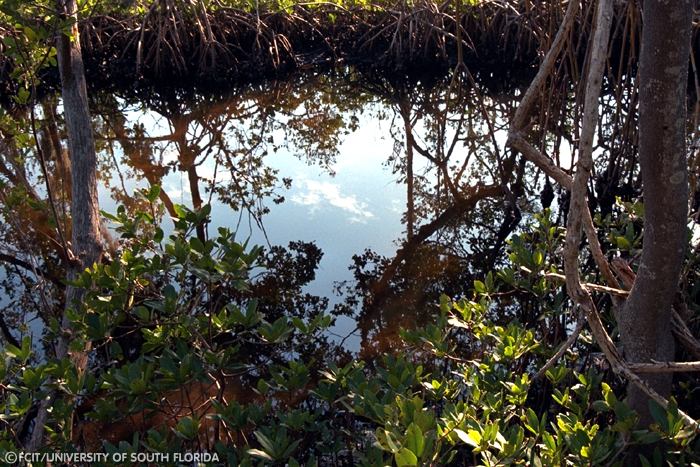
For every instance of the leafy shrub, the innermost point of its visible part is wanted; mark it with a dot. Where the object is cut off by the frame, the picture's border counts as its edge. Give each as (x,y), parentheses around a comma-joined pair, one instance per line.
(183,358)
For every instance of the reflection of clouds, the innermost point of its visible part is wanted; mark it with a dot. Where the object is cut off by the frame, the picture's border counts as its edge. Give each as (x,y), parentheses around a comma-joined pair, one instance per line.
(208,169)
(177,188)
(397,206)
(314,193)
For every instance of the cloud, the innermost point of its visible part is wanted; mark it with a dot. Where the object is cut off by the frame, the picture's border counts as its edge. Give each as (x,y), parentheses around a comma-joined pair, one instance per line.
(397,206)
(315,194)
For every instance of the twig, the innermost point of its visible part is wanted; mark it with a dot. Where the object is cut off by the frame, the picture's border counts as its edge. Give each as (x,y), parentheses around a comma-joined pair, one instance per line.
(684,336)
(664,367)
(580,324)
(517,141)
(587,285)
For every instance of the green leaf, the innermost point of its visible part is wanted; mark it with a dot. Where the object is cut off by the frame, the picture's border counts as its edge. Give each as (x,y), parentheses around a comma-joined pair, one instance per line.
(533,422)
(158,235)
(138,386)
(260,454)
(659,414)
(23,353)
(472,437)
(538,258)
(600,406)
(32,378)
(414,439)
(29,32)
(549,441)
(405,457)
(153,193)
(197,245)
(585,452)
(265,442)
(290,449)
(187,428)
(180,211)
(622,243)
(390,441)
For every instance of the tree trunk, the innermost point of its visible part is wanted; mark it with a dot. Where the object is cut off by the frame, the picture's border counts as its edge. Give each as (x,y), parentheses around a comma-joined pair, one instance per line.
(405,110)
(85,214)
(645,321)
(86,243)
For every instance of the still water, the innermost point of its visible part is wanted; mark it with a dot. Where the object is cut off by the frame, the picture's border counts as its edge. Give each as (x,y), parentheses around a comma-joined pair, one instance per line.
(371,198)
(351,204)
(399,187)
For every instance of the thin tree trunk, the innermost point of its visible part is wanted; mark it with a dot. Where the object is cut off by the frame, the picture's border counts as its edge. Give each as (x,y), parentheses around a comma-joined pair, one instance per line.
(187,163)
(197,202)
(405,110)
(85,214)
(85,239)
(645,320)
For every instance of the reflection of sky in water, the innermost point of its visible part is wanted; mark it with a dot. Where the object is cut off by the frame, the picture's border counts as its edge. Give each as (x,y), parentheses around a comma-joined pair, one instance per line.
(344,214)
(358,207)
(316,194)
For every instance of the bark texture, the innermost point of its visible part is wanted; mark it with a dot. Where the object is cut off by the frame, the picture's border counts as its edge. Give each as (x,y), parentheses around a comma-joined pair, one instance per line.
(85,214)
(645,320)
(86,245)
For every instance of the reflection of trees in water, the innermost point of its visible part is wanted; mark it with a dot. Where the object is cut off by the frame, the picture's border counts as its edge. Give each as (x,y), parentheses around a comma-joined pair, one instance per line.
(219,144)
(450,158)
(465,194)
(33,259)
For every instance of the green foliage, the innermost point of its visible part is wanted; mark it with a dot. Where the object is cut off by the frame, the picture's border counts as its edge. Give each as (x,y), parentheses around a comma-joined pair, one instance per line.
(170,316)
(624,232)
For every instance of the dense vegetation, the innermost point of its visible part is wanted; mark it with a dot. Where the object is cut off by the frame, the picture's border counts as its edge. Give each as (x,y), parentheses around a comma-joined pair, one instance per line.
(180,339)
(168,319)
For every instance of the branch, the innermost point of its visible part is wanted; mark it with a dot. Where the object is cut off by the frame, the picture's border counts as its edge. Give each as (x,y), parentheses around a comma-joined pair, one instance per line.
(517,141)
(7,334)
(29,267)
(664,367)
(580,324)
(459,208)
(683,334)
(598,255)
(584,164)
(587,285)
